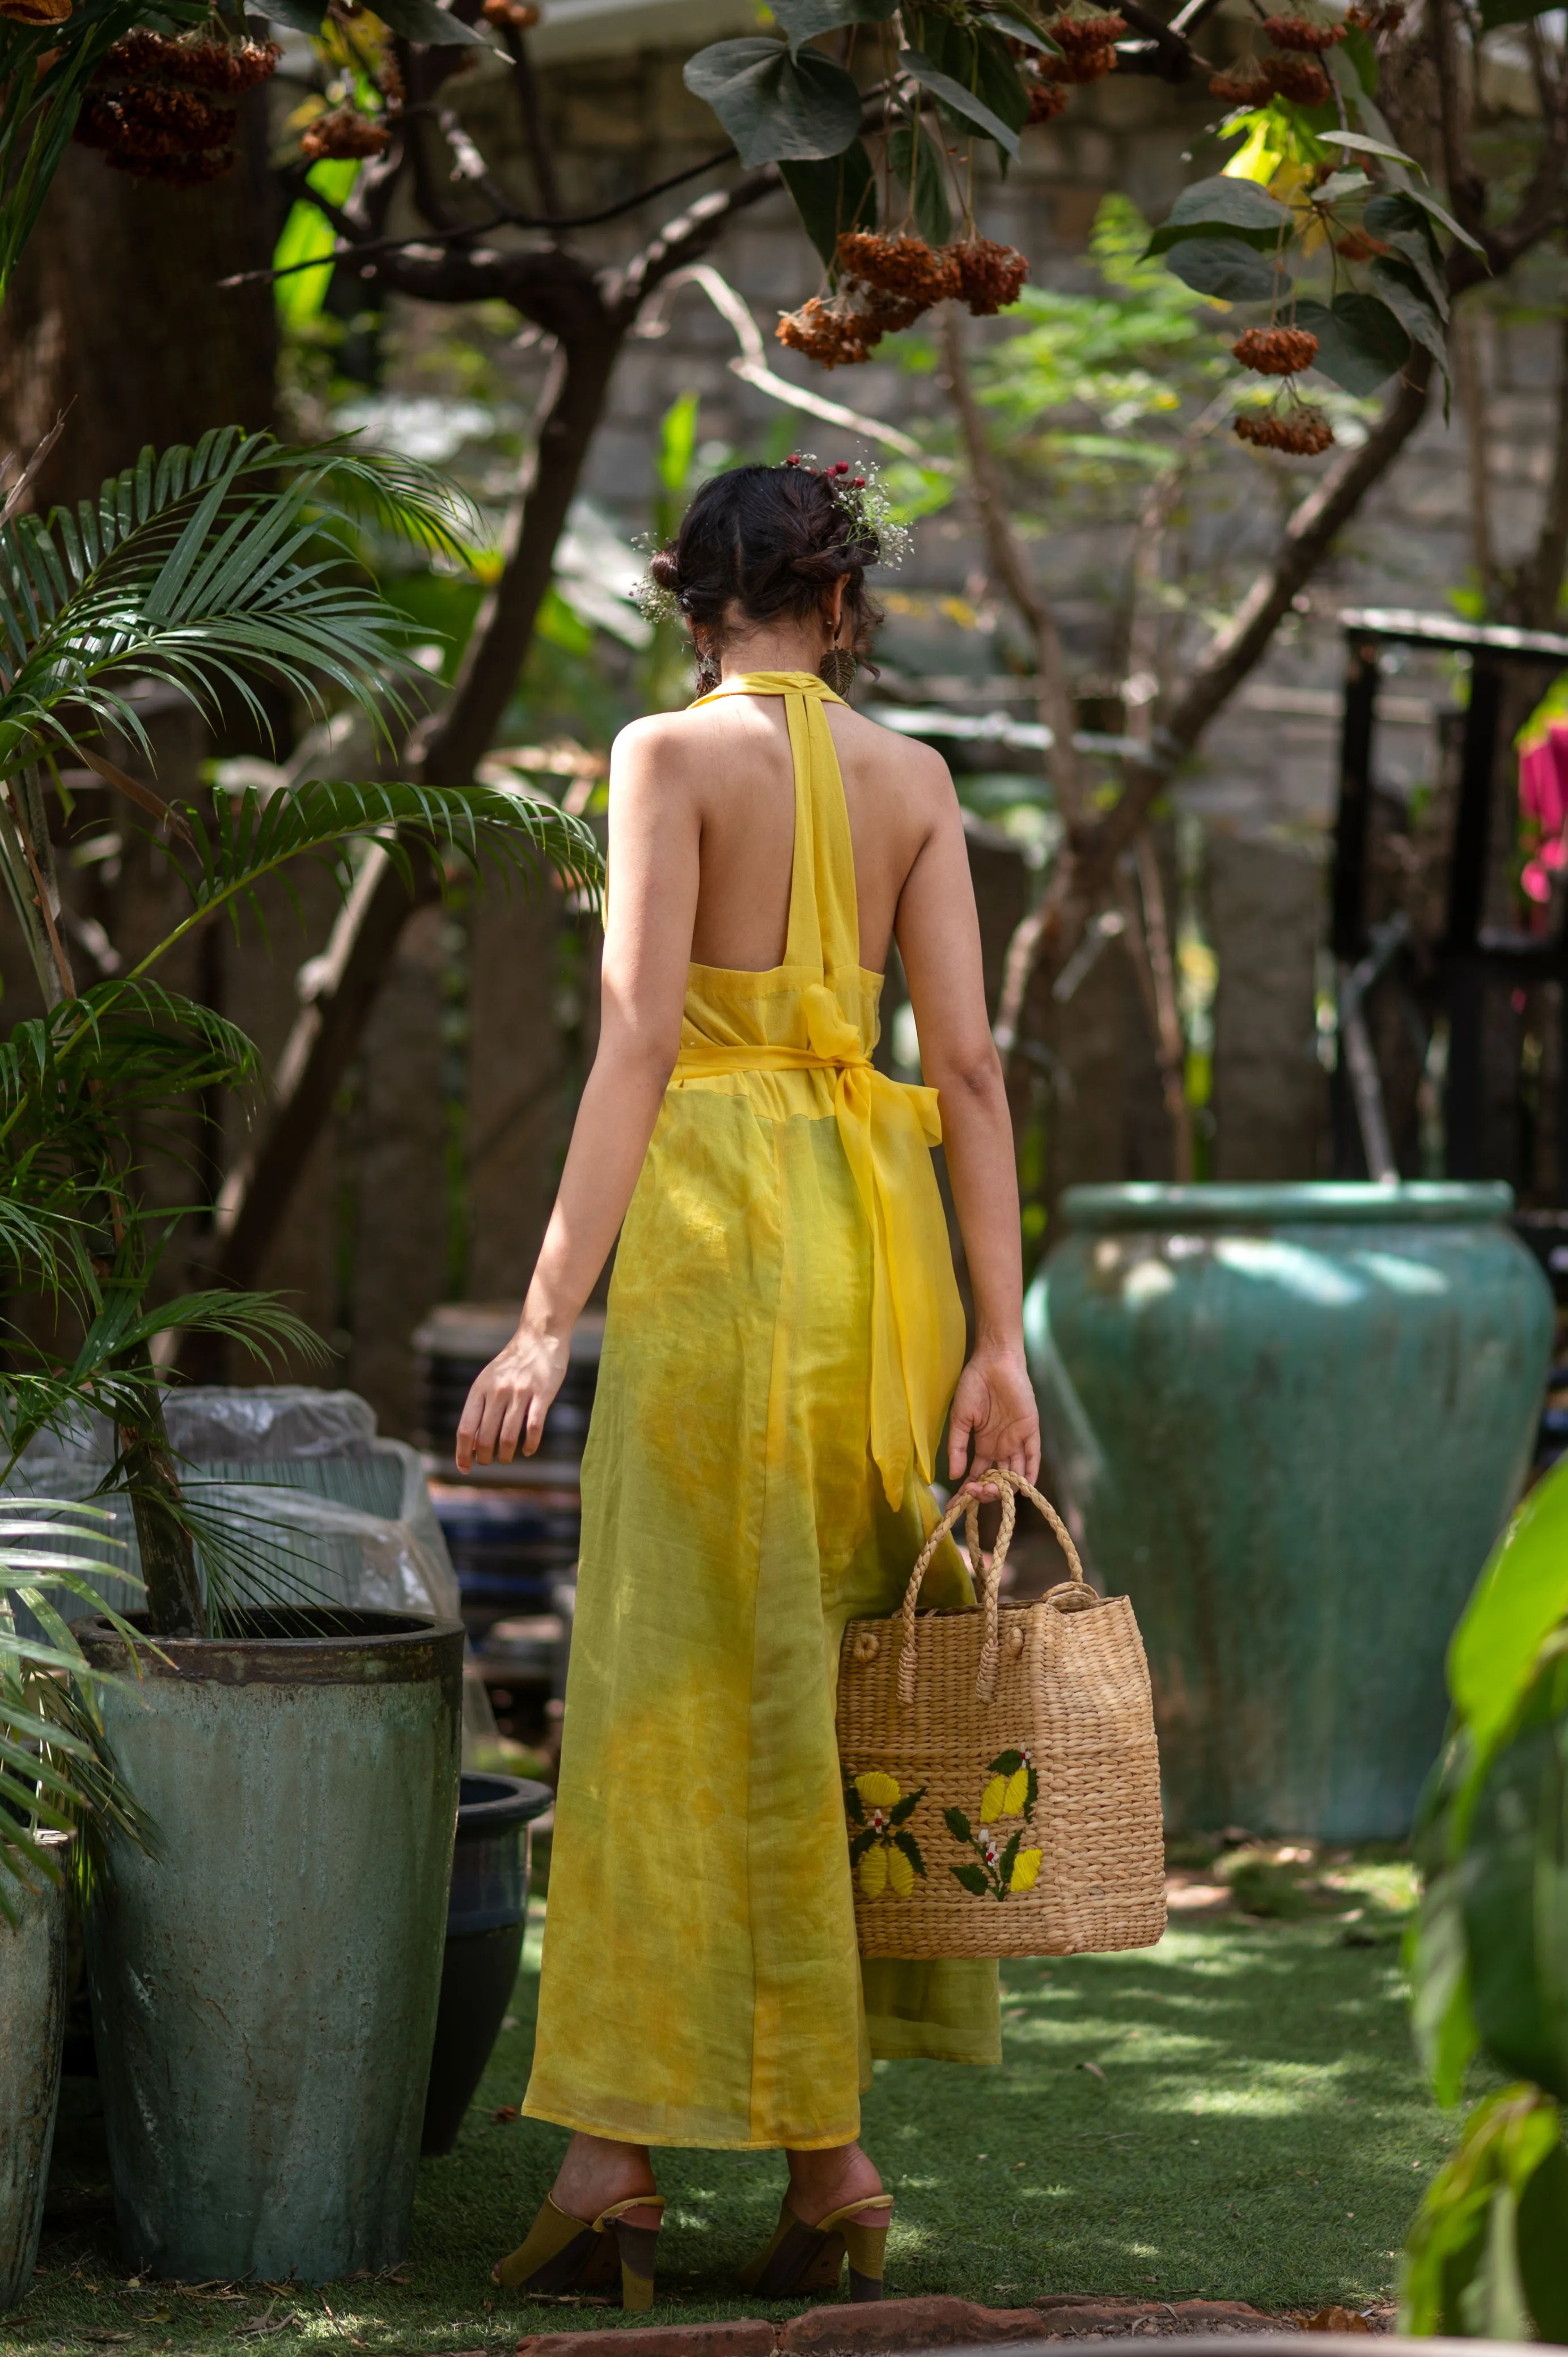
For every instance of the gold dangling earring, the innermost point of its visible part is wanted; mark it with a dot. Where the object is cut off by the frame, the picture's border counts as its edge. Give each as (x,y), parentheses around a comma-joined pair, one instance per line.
(839,665)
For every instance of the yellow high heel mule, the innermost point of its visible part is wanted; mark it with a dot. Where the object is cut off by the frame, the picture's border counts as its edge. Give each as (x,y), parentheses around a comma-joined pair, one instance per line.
(566,2254)
(802,2258)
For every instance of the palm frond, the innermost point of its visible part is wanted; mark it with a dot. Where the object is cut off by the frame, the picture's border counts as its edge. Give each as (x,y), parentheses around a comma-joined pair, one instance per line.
(253,835)
(57,1770)
(211,568)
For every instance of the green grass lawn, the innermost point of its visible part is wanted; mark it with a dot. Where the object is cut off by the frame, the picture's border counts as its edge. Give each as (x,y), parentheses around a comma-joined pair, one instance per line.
(1236,2114)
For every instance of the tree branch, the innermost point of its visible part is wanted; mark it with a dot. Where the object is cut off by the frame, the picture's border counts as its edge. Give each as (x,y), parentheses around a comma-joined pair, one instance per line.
(1013,570)
(1538,583)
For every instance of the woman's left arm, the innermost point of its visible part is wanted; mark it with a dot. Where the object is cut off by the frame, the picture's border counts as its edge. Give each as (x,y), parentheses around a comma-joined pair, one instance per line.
(651,908)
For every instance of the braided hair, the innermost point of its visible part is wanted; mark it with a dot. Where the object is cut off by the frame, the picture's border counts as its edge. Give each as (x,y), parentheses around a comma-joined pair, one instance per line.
(766,543)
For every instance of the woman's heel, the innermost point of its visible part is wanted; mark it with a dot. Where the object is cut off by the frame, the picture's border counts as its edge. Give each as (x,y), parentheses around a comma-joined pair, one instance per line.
(866,2245)
(802,2259)
(563,2254)
(638,2248)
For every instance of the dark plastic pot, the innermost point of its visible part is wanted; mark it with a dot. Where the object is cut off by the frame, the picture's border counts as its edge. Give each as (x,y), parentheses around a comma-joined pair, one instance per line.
(32,2020)
(486,1922)
(264,1988)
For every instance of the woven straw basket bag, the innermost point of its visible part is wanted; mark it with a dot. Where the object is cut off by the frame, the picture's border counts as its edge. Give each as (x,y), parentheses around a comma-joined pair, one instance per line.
(1002,1779)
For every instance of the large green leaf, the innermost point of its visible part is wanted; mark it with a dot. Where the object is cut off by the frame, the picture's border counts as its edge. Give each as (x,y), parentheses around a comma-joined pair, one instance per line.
(1224,208)
(803,20)
(1484,2259)
(1513,1886)
(1397,220)
(912,155)
(776,108)
(1015,23)
(1442,2020)
(958,99)
(1225,266)
(832,193)
(1361,344)
(1412,305)
(1521,1596)
(300,16)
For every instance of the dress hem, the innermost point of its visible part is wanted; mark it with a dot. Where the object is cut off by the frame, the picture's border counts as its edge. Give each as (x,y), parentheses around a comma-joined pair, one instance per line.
(620,2134)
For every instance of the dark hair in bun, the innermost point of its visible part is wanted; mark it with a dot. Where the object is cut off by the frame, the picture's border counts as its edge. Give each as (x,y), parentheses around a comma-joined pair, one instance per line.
(769,540)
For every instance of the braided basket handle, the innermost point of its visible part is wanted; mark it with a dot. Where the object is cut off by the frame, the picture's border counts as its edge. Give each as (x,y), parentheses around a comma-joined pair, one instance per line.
(1073,1593)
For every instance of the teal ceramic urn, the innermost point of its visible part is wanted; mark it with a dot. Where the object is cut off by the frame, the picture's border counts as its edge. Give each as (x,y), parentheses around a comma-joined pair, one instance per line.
(1291,1422)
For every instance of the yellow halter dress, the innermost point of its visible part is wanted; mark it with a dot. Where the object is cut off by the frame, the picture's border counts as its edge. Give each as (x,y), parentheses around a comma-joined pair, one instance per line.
(783,1338)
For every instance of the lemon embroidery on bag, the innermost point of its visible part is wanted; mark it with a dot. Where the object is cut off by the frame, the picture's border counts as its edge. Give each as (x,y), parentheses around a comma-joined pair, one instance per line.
(1004,1865)
(883,1853)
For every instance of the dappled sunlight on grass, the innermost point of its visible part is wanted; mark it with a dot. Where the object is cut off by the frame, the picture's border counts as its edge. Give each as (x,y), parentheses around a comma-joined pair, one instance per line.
(1235,2115)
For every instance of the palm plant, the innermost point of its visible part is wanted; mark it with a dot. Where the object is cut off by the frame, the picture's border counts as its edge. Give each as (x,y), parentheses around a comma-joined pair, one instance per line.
(55,1771)
(212,570)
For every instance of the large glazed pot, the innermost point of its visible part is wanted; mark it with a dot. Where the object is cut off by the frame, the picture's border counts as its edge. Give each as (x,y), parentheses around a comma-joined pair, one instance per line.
(32,2024)
(1293,1420)
(264,1990)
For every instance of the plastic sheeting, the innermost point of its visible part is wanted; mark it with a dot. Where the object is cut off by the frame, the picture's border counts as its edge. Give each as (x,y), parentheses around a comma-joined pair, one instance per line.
(296,1498)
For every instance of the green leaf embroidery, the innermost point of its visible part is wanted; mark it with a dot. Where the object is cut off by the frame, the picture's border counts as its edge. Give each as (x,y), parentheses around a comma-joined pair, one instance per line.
(972,1879)
(1033,1794)
(860,1845)
(905,1809)
(911,1849)
(1006,1864)
(957,1825)
(1007,1763)
(854,1808)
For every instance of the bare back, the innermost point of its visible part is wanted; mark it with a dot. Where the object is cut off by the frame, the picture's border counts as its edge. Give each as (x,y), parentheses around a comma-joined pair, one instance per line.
(735,756)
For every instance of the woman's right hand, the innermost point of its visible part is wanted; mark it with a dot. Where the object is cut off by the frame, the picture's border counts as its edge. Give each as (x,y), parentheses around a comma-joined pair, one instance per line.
(994,1413)
(508,1401)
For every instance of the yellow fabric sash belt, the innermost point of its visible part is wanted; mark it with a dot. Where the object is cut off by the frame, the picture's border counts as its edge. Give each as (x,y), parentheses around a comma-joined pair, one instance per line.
(888,1128)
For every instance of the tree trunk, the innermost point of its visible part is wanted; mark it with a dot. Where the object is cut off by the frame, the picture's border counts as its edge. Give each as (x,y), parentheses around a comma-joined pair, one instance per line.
(114,315)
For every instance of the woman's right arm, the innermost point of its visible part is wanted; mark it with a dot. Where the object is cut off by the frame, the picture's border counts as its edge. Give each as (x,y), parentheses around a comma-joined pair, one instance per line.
(650,906)
(993,1410)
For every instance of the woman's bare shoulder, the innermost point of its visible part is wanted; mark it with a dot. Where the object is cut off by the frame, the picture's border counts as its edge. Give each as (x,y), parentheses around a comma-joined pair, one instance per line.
(915,771)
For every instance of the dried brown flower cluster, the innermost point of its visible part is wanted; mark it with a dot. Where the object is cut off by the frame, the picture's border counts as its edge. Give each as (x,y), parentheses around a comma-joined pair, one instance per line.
(886,283)
(1082,35)
(1297,78)
(1302,432)
(199,62)
(1377,17)
(517,14)
(159,133)
(1047,99)
(157,107)
(35,12)
(1357,246)
(1078,65)
(1276,351)
(1243,84)
(905,266)
(1301,33)
(344,133)
(990,275)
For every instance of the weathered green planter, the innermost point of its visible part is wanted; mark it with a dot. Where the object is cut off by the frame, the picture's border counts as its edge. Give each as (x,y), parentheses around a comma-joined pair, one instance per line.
(1292,1421)
(264,1990)
(32,2024)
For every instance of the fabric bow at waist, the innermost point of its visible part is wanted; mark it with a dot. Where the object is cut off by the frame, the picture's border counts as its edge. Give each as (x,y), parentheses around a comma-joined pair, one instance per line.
(887,1128)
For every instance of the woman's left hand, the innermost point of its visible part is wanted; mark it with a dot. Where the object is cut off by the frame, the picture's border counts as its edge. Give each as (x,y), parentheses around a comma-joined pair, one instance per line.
(510,1400)
(995,1412)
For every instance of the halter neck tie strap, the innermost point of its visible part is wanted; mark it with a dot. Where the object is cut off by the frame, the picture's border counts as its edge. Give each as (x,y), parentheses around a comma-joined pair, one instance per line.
(772,683)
